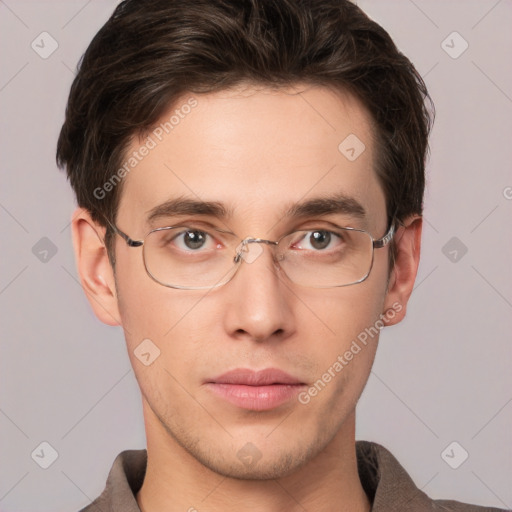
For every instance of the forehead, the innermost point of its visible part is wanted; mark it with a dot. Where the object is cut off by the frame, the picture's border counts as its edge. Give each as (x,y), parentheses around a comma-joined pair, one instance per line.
(257,151)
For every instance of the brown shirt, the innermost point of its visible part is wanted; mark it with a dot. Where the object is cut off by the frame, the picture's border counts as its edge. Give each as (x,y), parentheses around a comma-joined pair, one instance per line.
(385,481)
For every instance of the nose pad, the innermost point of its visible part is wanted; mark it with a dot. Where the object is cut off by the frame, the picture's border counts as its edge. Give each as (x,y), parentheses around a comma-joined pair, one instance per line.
(249,252)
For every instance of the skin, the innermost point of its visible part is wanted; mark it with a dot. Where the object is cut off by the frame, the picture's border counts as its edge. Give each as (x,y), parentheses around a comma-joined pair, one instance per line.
(256,150)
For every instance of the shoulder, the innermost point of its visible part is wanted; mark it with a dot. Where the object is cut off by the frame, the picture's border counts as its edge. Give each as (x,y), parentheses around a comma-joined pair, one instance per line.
(124,481)
(390,487)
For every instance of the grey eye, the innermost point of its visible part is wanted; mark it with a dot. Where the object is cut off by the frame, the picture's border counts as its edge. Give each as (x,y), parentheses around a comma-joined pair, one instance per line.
(320,239)
(194,239)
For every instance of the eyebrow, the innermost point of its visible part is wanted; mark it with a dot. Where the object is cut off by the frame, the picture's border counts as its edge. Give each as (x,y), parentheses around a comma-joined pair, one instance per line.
(185,206)
(318,206)
(327,205)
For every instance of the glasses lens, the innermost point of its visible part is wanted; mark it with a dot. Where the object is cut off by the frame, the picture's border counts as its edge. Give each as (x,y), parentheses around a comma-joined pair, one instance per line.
(189,257)
(192,258)
(327,258)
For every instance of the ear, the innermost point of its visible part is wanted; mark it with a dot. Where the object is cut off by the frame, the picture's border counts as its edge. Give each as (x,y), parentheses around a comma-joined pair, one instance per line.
(403,275)
(94,268)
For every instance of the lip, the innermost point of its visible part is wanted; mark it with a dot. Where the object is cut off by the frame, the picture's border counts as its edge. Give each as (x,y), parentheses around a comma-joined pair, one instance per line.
(255,390)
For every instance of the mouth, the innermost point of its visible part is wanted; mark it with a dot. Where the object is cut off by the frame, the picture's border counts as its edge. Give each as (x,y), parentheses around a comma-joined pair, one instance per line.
(256,390)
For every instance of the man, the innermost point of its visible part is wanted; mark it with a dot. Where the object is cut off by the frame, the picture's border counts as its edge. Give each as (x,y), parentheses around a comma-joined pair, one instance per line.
(250,180)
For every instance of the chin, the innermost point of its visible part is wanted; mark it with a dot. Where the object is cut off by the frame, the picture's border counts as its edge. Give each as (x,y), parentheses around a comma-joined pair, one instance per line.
(279,467)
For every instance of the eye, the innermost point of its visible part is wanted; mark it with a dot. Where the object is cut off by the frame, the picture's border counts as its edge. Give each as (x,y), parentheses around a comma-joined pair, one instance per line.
(193,240)
(317,240)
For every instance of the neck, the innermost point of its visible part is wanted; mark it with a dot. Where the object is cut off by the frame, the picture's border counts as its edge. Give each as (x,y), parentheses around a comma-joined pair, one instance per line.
(176,481)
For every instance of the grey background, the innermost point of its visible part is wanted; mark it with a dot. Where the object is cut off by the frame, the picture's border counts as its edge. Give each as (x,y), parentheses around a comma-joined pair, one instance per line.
(443,375)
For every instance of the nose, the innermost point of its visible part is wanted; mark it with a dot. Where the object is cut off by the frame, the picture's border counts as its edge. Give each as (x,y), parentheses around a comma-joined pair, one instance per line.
(259,298)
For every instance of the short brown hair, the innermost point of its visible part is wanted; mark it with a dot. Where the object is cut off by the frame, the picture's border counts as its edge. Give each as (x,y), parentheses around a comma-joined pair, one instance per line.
(152,52)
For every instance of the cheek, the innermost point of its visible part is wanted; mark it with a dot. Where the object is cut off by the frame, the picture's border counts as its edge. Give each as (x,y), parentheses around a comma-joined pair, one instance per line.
(168,318)
(148,310)
(345,325)
(342,313)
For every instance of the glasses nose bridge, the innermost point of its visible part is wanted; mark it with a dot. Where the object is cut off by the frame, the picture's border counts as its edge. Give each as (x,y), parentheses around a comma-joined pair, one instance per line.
(251,240)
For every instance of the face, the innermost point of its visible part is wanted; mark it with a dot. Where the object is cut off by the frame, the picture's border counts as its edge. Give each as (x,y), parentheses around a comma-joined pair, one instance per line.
(258,152)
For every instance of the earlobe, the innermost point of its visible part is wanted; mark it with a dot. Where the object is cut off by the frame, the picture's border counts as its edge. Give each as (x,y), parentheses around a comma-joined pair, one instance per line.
(94,268)
(403,274)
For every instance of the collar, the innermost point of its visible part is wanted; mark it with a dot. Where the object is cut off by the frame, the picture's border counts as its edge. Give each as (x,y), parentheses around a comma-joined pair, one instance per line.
(384,480)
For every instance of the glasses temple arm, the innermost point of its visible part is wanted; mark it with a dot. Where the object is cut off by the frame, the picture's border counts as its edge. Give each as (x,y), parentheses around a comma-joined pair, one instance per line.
(125,237)
(382,242)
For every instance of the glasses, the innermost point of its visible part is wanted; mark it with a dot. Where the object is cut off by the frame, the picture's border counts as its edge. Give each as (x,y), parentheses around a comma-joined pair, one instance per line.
(189,257)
